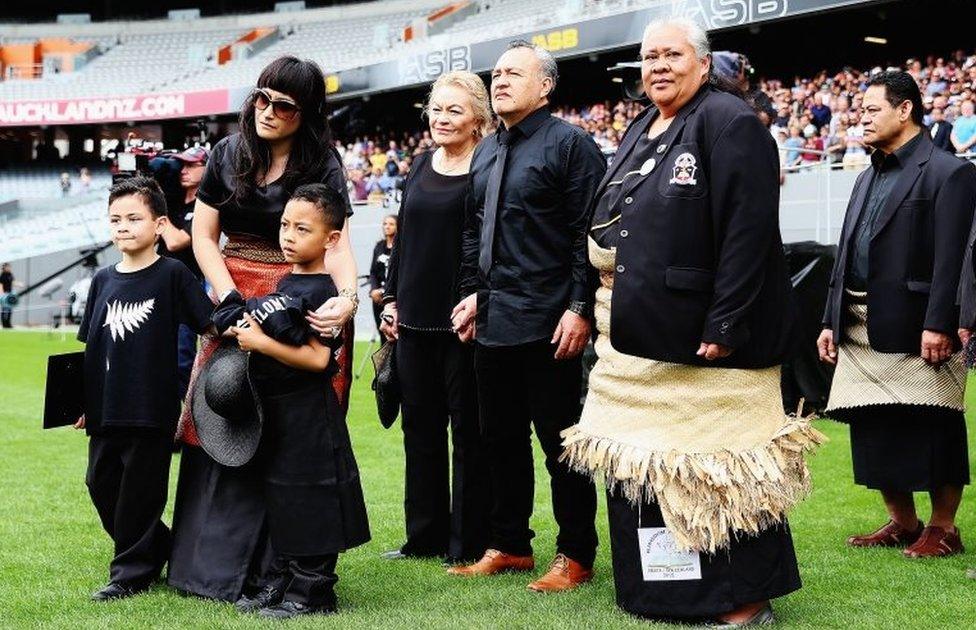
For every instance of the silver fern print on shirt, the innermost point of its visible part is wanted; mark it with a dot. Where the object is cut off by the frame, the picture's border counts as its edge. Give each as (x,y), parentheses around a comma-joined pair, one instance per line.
(122,317)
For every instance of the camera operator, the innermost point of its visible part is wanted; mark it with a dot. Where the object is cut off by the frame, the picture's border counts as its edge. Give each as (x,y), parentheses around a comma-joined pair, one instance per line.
(175,241)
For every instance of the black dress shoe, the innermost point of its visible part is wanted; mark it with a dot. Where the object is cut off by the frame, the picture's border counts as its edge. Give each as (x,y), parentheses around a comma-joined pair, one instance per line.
(764,616)
(117,590)
(453,561)
(268,596)
(287,610)
(393,554)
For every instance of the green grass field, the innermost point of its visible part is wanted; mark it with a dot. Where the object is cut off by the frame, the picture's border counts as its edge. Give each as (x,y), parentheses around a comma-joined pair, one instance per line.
(53,552)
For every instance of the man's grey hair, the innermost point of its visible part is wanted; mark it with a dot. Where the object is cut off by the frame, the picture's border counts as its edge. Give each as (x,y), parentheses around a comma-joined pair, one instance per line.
(696,34)
(547,63)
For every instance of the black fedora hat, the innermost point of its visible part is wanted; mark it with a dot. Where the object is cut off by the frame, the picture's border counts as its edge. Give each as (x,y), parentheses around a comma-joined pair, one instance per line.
(227,412)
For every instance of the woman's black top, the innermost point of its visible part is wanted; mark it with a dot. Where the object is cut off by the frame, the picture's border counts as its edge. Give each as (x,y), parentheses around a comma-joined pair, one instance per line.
(260,215)
(426,259)
(607,210)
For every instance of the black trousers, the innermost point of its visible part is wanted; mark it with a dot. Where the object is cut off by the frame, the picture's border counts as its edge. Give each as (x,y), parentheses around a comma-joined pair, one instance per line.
(6,314)
(308,580)
(520,387)
(128,480)
(444,516)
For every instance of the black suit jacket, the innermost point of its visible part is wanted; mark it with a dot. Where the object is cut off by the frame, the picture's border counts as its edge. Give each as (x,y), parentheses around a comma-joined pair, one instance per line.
(967,284)
(700,256)
(942,136)
(916,251)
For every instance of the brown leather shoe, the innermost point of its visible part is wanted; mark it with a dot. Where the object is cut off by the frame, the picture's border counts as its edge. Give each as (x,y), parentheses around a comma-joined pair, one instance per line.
(564,574)
(936,542)
(891,535)
(493,562)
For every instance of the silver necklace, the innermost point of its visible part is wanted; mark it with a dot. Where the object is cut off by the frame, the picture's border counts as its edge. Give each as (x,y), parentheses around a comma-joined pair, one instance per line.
(460,164)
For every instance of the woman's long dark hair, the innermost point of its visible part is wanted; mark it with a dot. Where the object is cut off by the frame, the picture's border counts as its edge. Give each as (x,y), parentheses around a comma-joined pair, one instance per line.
(312,143)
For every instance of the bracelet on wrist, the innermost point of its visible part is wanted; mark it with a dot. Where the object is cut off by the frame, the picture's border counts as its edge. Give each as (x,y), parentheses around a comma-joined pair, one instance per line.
(352,296)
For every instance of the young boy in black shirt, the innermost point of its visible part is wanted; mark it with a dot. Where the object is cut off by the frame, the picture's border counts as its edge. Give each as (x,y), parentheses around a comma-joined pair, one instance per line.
(312,490)
(129,328)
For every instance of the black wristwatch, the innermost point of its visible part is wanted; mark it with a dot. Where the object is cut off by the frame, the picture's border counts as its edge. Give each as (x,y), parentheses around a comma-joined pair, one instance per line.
(578,307)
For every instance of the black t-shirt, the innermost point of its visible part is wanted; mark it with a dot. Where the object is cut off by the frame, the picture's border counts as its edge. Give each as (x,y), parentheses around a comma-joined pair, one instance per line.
(129,330)
(261,214)
(182,219)
(379,266)
(6,281)
(311,290)
(426,259)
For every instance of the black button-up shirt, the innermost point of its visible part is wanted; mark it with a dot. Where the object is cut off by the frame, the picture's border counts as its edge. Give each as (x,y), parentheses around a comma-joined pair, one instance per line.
(539,262)
(887,167)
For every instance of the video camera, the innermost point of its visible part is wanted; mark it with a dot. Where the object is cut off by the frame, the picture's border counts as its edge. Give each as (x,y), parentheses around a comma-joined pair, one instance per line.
(150,159)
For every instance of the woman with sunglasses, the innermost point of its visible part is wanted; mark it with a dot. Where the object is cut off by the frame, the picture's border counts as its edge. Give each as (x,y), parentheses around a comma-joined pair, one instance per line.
(219,541)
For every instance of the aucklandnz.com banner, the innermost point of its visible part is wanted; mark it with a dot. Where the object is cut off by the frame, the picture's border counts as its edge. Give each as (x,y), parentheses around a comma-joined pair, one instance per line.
(113,108)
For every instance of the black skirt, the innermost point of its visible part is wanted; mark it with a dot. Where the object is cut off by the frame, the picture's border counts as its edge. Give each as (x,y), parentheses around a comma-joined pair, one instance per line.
(312,489)
(908,448)
(752,569)
(220,542)
(299,496)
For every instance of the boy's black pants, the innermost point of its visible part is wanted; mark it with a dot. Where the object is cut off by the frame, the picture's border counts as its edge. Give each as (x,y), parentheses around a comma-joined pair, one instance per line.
(308,580)
(128,480)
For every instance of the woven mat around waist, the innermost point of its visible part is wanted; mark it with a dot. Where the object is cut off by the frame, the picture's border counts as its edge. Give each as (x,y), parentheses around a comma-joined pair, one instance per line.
(711,445)
(865,376)
(252,248)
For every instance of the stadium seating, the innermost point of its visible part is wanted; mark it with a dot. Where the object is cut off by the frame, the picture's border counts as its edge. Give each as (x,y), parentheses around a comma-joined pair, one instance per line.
(178,60)
(43,183)
(69,226)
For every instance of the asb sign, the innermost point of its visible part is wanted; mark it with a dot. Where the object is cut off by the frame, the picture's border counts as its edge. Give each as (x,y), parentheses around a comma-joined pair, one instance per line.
(433,63)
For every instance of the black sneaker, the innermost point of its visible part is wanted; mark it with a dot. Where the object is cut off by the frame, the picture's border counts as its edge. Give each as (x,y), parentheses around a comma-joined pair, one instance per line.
(268,596)
(287,610)
(118,590)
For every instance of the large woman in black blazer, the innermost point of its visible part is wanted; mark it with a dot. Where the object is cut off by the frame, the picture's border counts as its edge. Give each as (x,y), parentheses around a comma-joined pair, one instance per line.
(693,312)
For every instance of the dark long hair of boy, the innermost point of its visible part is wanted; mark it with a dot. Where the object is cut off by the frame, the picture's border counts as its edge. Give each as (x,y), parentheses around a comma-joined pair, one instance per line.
(312,143)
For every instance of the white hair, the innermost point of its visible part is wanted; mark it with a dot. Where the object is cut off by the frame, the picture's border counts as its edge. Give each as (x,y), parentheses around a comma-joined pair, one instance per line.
(547,63)
(696,35)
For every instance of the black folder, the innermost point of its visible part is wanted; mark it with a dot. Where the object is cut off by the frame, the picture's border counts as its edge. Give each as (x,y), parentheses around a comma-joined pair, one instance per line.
(64,394)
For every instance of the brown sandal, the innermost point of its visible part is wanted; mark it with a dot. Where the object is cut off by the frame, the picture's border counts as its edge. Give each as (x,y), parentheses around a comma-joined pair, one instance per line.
(890,535)
(936,542)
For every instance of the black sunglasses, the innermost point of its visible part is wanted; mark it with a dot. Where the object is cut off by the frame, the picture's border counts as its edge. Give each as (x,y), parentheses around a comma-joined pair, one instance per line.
(285,110)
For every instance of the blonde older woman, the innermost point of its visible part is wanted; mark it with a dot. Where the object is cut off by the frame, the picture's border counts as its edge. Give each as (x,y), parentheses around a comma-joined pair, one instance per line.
(436,369)
(684,414)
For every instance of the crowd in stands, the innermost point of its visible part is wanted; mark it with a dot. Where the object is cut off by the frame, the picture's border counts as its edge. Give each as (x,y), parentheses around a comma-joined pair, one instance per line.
(813,120)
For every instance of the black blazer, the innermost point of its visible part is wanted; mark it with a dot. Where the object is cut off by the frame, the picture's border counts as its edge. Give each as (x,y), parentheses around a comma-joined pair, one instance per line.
(942,136)
(967,284)
(916,251)
(700,256)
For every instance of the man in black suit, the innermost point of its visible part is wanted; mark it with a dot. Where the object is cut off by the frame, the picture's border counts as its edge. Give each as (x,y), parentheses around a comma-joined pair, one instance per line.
(891,321)
(941,130)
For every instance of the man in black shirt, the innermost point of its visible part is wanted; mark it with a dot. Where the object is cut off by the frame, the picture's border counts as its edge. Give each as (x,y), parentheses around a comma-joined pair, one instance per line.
(175,243)
(525,276)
